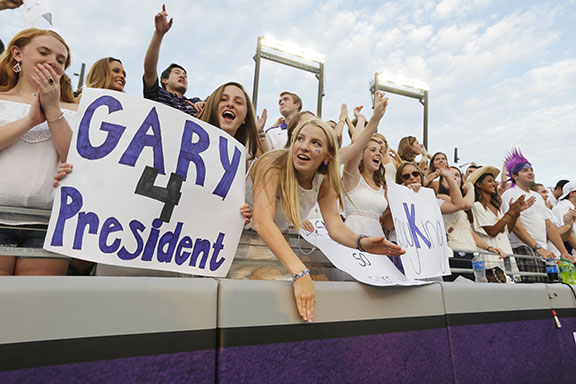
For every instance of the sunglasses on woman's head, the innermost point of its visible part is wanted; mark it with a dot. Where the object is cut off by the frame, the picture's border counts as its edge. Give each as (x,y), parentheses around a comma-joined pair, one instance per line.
(406,176)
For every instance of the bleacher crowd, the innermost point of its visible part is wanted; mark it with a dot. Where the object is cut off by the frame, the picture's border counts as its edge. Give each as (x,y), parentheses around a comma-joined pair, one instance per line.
(298,169)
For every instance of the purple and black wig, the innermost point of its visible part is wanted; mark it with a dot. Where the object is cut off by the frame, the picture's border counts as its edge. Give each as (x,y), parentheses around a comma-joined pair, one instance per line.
(514,163)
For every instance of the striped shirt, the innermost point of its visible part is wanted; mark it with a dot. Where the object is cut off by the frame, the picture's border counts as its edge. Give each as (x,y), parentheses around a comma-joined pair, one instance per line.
(159,94)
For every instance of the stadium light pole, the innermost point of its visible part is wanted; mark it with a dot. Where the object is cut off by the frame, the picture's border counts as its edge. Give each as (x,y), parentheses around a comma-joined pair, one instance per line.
(270,49)
(403,87)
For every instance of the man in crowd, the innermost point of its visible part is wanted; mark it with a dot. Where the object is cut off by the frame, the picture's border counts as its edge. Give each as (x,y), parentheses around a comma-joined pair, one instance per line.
(290,104)
(174,80)
(557,192)
(469,170)
(534,226)
(564,213)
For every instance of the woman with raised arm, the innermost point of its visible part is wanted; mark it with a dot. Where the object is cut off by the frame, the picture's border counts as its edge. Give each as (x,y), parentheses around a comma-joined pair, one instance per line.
(364,182)
(286,184)
(36,103)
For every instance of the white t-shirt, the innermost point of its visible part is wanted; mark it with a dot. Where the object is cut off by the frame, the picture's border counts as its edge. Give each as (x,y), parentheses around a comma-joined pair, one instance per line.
(533,219)
(559,211)
(276,136)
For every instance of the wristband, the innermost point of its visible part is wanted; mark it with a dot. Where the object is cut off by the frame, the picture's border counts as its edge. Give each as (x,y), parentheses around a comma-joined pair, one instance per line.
(358,246)
(304,272)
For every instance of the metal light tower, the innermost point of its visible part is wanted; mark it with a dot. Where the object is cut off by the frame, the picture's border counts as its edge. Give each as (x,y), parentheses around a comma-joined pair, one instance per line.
(403,87)
(293,56)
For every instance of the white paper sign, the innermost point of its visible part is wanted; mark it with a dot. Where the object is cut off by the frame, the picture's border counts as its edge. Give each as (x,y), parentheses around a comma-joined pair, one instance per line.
(33,11)
(364,267)
(420,231)
(152,187)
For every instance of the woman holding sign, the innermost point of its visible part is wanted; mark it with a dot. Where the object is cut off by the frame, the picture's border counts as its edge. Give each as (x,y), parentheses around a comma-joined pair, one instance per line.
(36,103)
(287,183)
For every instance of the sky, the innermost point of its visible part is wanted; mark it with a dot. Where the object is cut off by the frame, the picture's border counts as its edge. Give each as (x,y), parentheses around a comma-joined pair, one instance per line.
(502,74)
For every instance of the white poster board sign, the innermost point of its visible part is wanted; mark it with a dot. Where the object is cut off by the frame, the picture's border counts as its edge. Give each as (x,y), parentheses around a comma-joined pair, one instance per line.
(152,187)
(420,231)
(365,267)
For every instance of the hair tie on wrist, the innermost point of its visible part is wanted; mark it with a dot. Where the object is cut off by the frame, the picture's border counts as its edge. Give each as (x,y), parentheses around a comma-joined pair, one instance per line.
(358,246)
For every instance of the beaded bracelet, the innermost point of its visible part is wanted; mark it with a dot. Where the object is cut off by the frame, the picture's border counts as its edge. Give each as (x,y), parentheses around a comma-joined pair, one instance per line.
(304,272)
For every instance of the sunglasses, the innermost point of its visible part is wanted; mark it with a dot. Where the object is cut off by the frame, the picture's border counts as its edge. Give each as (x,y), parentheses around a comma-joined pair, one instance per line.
(406,176)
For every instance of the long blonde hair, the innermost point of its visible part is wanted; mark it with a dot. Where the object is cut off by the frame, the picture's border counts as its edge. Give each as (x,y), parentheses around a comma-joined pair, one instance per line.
(99,75)
(9,78)
(281,161)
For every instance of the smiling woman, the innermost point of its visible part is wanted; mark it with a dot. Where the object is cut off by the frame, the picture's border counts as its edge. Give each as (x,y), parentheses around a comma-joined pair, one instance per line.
(107,73)
(286,185)
(230,109)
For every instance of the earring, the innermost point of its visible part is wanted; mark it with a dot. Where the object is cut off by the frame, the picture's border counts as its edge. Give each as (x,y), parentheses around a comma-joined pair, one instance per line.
(325,162)
(17,68)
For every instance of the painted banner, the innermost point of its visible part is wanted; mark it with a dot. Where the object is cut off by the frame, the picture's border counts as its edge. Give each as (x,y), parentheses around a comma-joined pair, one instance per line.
(420,231)
(365,267)
(152,187)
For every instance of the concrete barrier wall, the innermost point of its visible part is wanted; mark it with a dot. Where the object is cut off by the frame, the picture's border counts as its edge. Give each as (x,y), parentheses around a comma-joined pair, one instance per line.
(107,330)
(122,330)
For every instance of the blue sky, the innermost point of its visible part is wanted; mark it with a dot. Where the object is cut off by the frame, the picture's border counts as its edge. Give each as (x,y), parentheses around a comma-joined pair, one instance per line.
(501,73)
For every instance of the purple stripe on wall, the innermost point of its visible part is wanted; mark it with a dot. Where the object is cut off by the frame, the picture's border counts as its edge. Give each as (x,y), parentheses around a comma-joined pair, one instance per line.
(403,357)
(187,367)
(522,352)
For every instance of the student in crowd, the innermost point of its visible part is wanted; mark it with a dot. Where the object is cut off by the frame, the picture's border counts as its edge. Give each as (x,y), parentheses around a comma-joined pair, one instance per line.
(534,227)
(557,191)
(36,103)
(286,185)
(390,159)
(490,223)
(471,168)
(290,104)
(173,80)
(107,73)
(439,161)
(564,215)
(542,191)
(409,147)
(364,182)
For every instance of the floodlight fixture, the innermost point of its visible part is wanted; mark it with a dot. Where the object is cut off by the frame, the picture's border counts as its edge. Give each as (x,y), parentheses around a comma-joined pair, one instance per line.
(293,56)
(402,86)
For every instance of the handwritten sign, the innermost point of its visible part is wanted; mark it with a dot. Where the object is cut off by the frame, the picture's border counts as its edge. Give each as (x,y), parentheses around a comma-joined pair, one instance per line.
(365,267)
(151,188)
(420,231)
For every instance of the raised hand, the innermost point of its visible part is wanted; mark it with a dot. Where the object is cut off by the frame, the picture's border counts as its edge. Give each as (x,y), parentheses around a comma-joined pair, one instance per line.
(380,104)
(47,82)
(344,112)
(261,120)
(161,21)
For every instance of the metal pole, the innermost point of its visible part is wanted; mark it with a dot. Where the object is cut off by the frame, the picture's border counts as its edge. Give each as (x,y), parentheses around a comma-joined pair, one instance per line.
(257,72)
(81,78)
(320,90)
(425,102)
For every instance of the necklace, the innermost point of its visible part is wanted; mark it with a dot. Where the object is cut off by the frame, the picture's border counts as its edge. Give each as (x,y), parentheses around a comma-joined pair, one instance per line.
(23,98)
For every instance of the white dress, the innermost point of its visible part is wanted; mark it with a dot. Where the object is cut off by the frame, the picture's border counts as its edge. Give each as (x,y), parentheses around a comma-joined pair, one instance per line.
(363,213)
(390,174)
(484,217)
(27,166)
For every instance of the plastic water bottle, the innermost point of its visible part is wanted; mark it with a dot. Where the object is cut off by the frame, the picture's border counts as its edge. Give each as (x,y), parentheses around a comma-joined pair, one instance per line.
(573,273)
(552,271)
(479,268)
(565,271)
